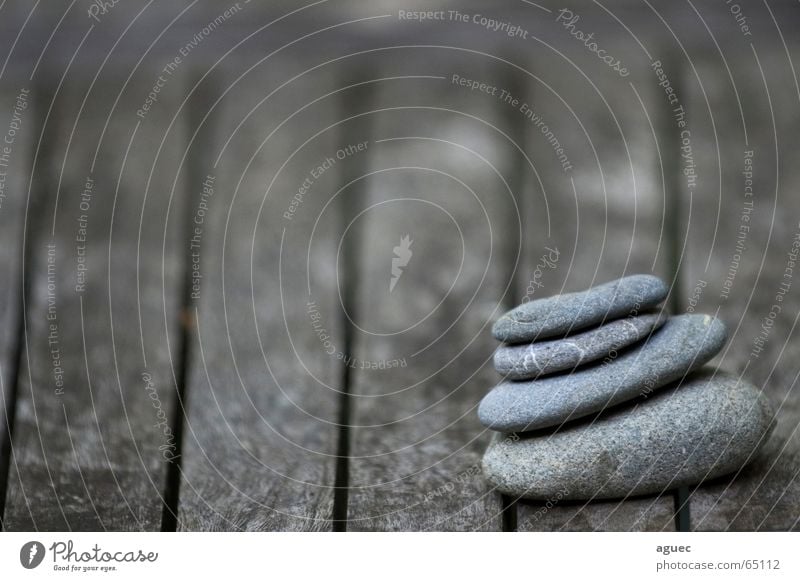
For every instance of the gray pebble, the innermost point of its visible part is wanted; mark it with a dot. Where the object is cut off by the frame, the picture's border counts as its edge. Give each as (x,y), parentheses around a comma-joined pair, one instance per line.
(561,314)
(683,344)
(543,357)
(710,426)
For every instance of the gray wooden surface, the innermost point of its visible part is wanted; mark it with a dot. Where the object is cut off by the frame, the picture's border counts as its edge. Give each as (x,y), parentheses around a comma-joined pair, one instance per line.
(422,348)
(263,393)
(239,357)
(93,425)
(747,273)
(15,171)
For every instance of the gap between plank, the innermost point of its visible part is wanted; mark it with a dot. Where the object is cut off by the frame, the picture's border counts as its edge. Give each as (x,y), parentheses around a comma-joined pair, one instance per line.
(510,515)
(12,389)
(519,179)
(342,479)
(351,278)
(673,226)
(169,515)
(348,204)
(341,491)
(6,451)
(196,164)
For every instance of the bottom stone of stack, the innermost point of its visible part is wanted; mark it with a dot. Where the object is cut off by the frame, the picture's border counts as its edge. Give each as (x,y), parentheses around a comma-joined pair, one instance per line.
(709,425)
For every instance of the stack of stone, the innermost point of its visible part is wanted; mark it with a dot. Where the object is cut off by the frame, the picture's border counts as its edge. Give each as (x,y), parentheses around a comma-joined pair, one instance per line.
(606,397)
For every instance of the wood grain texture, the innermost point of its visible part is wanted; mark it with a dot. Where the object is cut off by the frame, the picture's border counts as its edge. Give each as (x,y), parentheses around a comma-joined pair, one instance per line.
(740,261)
(264,382)
(440,172)
(92,432)
(282,336)
(594,217)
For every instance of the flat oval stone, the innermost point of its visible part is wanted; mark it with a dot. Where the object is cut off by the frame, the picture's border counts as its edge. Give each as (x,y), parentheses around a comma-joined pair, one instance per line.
(543,357)
(561,314)
(711,425)
(683,344)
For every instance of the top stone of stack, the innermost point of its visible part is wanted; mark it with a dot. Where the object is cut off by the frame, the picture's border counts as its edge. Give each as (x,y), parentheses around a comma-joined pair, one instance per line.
(562,314)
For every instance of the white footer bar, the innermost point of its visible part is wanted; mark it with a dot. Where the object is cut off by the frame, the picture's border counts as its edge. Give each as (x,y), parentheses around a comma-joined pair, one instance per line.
(402,556)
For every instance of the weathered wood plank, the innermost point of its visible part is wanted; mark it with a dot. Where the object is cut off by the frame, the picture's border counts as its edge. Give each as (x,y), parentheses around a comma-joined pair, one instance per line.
(441,177)
(744,266)
(17,126)
(92,436)
(263,383)
(598,214)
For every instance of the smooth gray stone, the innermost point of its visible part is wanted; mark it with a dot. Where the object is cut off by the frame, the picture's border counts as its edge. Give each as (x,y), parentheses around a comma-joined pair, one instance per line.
(543,357)
(561,314)
(709,426)
(683,344)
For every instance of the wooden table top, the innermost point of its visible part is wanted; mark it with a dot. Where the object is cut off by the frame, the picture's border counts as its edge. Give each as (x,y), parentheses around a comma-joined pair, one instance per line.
(251,253)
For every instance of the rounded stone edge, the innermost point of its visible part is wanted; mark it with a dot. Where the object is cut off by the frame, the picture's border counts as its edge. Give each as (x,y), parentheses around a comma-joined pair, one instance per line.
(765,411)
(504,328)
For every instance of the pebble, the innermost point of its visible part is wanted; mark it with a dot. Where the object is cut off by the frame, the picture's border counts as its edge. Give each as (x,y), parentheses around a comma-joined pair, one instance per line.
(561,314)
(544,357)
(709,426)
(683,344)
